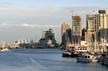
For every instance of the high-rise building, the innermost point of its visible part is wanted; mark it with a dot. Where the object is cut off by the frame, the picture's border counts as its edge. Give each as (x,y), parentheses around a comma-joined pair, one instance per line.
(97,29)
(91,28)
(102,20)
(97,26)
(76,29)
(66,33)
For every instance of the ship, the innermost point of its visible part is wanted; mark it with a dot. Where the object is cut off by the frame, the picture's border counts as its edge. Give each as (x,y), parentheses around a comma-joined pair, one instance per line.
(86,58)
(70,52)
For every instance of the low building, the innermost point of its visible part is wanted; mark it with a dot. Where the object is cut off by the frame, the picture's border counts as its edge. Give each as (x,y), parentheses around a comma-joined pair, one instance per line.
(48,40)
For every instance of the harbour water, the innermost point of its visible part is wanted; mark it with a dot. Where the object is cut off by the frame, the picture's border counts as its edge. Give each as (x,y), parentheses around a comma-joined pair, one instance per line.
(43,60)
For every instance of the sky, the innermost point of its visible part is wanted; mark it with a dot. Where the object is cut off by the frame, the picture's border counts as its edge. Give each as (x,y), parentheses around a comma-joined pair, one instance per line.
(26,19)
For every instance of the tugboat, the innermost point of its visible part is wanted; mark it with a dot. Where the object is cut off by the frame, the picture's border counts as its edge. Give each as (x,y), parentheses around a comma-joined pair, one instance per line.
(86,58)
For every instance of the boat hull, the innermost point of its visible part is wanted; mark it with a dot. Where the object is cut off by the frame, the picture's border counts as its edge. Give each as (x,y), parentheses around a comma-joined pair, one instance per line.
(86,58)
(103,60)
(4,49)
(80,60)
(69,55)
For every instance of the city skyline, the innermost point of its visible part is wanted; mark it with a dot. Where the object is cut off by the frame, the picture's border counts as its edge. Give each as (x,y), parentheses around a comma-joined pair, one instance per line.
(21,19)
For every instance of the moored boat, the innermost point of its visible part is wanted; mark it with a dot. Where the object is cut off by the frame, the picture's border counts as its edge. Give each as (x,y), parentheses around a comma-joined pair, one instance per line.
(86,58)
(103,59)
(69,54)
(4,49)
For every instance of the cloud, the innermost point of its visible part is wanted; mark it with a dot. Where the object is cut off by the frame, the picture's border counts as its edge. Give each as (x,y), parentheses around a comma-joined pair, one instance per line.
(33,20)
(20,31)
(37,26)
(25,25)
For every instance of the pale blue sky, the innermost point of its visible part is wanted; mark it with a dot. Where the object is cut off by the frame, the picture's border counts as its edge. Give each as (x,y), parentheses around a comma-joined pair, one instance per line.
(21,19)
(55,2)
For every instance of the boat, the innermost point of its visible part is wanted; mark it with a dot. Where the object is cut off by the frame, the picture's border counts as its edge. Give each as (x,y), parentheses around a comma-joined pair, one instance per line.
(62,47)
(69,53)
(86,58)
(66,54)
(103,59)
(4,49)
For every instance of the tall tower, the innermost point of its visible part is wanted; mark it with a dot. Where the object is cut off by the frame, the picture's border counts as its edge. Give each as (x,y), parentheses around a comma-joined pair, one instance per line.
(102,18)
(76,28)
(91,28)
(64,31)
(97,28)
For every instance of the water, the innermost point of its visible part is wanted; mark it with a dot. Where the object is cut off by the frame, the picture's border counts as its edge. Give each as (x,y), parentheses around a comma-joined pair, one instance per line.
(43,60)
